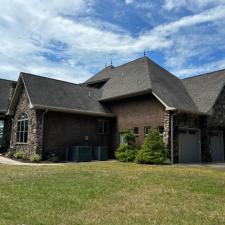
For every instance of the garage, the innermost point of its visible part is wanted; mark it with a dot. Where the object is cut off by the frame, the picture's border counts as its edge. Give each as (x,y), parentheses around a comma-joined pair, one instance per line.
(217,147)
(189,145)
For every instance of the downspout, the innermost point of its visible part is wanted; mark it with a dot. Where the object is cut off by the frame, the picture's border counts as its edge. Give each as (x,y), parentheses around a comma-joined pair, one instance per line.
(171,125)
(42,131)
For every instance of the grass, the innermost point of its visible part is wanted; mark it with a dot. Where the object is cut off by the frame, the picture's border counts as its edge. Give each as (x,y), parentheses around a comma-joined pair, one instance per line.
(111,193)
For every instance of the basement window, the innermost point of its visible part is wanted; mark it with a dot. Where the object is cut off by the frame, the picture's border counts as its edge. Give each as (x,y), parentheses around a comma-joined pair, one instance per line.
(103,127)
(161,130)
(22,129)
(135,131)
(147,130)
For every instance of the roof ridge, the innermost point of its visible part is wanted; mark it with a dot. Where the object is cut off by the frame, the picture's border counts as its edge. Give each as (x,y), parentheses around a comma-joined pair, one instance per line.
(204,74)
(130,62)
(62,81)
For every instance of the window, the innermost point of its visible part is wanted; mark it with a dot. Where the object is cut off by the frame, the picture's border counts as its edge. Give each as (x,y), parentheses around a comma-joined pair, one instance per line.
(22,129)
(161,130)
(122,141)
(103,127)
(135,130)
(147,130)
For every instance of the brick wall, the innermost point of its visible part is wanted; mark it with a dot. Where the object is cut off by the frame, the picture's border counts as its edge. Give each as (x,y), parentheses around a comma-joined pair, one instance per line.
(62,130)
(138,112)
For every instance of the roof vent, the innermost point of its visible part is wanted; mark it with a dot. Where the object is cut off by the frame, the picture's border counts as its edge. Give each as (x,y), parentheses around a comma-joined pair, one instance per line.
(122,74)
(89,94)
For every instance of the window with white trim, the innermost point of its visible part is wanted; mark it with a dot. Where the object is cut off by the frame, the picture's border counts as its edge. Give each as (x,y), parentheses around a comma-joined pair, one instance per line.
(103,127)
(161,130)
(22,129)
(147,130)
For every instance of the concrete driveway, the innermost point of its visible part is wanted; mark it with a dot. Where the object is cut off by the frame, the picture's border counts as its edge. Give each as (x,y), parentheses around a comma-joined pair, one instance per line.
(220,166)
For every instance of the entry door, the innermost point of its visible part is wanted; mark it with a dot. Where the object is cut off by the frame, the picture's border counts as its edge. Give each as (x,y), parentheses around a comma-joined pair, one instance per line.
(217,149)
(189,146)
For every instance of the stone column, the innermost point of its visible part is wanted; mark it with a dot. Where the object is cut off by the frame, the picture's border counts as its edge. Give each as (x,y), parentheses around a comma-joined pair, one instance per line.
(166,133)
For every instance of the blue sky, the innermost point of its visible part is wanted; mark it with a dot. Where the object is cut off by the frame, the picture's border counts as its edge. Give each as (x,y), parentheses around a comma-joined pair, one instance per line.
(71,40)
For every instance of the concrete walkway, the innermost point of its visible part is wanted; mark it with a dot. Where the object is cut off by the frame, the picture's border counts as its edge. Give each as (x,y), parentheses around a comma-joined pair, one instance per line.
(7,161)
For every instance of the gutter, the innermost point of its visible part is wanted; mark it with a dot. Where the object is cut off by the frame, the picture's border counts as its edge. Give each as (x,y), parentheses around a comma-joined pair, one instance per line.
(75,111)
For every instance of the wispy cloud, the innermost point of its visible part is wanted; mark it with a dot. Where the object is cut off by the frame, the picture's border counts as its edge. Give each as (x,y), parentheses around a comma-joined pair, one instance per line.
(67,40)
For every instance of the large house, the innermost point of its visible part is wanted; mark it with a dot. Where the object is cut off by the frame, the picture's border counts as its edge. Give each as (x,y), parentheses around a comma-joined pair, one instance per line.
(47,116)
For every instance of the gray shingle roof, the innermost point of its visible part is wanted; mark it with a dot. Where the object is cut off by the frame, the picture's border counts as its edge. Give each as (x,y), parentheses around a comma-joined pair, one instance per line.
(54,94)
(142,76)
(205,89)
(100,76)
(5,90)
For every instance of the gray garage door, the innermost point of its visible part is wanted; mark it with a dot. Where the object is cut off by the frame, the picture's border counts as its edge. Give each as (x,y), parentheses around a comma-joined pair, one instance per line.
(189,146)
(216,139)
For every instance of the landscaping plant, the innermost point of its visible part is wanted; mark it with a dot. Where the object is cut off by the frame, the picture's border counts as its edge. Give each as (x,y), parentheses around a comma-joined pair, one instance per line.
(35,157)
(153,150)
(127,152)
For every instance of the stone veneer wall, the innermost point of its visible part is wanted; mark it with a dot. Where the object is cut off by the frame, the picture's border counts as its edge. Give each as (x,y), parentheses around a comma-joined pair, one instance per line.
(34,143)
(166,133)
(217,119)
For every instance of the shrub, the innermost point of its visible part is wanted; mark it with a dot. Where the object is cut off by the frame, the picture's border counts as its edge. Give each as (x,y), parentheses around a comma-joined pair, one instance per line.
(129,138)
(20,155)
(35,157)
(126,153)
(10,152)
(153,150)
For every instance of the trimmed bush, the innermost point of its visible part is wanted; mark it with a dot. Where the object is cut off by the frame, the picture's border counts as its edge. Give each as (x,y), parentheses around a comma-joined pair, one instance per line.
(20,155)
(35,157)
(126,153)
(129,138)
(153,150)
(10,152)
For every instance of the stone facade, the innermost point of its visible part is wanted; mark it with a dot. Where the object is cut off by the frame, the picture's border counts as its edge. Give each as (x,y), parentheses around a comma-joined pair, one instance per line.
(217,119)
(34,143)
(166,133)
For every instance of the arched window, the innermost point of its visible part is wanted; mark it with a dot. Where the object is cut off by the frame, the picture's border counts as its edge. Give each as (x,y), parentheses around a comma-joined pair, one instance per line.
(22,129)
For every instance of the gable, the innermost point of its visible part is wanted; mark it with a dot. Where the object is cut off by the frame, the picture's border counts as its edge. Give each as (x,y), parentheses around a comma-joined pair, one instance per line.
(54,95)
(205,89)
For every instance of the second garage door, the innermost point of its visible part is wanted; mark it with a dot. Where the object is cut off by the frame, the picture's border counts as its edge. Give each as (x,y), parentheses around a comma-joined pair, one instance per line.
(217,149)
(189,145)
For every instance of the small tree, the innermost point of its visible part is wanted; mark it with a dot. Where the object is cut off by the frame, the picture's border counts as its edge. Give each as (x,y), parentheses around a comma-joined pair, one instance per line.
(153,150)
(127,152)
(129,138)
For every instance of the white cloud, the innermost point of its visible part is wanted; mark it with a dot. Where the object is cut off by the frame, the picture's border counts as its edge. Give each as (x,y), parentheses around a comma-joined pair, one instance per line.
(129,1)
(79,45)
(193,5)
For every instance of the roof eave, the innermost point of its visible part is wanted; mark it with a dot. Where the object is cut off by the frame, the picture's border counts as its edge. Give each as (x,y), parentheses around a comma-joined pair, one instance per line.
(134,94)
(73,111)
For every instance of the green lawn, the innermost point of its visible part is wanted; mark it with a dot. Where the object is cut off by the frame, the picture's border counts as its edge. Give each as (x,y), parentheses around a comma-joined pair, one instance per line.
(111,193)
